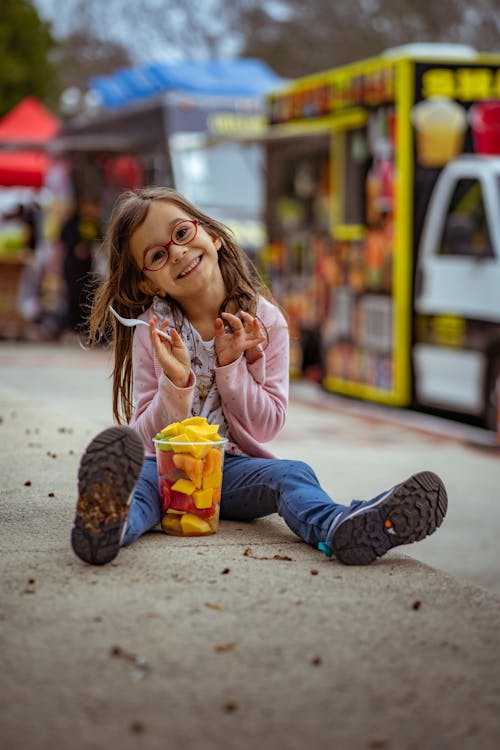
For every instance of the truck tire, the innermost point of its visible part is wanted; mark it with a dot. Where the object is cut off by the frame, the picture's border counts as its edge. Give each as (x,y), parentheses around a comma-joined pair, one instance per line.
(492,395)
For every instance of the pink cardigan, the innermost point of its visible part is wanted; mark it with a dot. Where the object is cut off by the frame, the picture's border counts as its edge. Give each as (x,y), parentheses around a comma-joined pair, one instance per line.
(254,397)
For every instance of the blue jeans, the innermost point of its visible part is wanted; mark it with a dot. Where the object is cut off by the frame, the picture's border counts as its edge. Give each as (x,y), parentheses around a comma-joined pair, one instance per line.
(251,488)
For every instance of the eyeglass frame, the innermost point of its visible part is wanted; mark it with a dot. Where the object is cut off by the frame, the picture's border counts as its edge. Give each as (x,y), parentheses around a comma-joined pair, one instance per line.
(166,246)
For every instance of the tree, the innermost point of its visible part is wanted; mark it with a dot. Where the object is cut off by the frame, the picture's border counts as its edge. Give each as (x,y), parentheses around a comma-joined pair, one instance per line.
(307,37)
(26,44)
(151,29)
(81,56)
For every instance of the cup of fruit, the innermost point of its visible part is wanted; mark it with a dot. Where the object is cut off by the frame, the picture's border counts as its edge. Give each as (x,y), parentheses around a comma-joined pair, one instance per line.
(190,458)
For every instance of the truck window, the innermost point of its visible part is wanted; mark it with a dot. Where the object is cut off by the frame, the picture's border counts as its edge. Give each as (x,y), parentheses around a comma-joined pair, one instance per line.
(226,175)
(465,232)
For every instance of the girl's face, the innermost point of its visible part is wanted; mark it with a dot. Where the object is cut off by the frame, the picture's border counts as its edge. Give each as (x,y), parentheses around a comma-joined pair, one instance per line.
(189,269)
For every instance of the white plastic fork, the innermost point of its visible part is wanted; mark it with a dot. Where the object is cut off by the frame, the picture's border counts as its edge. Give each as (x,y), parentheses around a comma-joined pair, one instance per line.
(131,322)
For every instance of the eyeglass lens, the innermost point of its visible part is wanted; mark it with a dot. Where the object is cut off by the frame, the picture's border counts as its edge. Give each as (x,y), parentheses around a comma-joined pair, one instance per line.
(182,234)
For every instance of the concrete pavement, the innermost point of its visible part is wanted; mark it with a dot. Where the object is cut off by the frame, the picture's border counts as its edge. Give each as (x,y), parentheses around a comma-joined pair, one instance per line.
(220,642)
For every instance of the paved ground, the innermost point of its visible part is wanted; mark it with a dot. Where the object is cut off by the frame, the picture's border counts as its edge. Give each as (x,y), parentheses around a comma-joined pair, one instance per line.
(218,643)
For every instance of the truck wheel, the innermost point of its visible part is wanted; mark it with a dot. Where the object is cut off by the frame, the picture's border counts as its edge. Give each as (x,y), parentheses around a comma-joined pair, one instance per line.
(492,396)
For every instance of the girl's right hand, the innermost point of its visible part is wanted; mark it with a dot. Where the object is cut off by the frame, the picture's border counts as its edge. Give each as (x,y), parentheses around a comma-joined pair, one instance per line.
(172,355)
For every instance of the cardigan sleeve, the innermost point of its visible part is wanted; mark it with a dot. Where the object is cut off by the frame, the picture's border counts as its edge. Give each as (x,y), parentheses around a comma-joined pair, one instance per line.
(158,401)
(255,397)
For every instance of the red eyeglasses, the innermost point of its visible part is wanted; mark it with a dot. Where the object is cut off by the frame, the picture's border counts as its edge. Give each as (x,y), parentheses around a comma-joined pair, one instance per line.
(183,233)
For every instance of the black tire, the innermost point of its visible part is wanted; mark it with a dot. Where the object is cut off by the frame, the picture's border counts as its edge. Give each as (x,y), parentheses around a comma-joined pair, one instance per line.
(492,395)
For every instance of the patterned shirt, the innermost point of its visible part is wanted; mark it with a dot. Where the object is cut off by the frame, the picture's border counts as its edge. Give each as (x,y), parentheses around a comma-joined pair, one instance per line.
(206,399)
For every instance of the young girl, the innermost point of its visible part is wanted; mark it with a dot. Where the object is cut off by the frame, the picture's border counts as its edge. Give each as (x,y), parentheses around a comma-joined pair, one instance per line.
(226,360)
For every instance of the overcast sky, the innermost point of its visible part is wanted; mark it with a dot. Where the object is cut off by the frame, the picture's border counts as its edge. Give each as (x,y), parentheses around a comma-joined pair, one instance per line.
(117,26)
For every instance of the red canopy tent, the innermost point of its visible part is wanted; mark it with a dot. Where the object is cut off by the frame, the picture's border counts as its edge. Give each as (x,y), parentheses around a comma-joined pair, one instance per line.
(24,132)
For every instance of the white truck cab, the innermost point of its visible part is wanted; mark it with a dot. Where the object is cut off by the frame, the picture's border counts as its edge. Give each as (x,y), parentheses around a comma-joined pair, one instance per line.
(456,356)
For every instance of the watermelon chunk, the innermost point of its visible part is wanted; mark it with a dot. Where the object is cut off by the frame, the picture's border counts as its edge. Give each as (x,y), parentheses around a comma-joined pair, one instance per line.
(181,501)
(166,463)
(165,494)
(185,503)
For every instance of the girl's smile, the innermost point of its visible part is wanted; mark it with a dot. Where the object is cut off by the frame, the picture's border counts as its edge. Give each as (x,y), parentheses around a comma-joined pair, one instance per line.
(194,264)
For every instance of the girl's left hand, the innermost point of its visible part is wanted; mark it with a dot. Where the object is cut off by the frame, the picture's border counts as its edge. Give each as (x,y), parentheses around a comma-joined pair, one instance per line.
(245,336)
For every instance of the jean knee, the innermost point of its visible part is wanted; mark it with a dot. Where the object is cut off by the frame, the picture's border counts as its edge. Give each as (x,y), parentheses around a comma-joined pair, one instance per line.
(299,470)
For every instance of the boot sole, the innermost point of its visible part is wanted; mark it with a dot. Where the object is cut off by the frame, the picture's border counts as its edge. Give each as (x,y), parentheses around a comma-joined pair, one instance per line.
(108,473)
(411,512)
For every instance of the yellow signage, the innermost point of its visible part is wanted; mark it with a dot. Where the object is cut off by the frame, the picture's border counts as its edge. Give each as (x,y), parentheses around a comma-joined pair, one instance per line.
(232,124)
(448,330)
(333,92)
(466,84)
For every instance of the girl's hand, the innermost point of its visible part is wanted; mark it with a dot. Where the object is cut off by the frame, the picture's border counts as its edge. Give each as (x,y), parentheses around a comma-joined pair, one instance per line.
(245,337)
(172,355)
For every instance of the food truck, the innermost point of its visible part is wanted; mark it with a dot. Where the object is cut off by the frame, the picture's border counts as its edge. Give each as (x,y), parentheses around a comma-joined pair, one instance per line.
(383,221)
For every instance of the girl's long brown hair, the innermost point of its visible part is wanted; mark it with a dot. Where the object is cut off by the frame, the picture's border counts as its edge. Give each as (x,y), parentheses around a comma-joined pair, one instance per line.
(120,287)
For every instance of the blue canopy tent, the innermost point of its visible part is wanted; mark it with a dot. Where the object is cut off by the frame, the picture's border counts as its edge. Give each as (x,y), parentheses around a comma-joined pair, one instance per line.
(139,108)
(244,77)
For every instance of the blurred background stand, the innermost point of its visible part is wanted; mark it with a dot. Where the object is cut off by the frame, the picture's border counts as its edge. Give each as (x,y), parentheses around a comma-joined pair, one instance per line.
(24,134)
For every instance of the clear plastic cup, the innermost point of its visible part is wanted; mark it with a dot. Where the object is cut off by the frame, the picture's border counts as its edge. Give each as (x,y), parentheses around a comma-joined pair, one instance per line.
(190,482)
(440,125)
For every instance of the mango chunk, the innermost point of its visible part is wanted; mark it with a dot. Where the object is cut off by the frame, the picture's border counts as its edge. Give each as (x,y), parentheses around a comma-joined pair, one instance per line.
(178,443)
(200,432)
(171,429)
(185,486)
(191,466)
(191,524)
(203,498)
(213,461)
(194,420)
(200,448)
(211,430)
(171,523)
(212,480)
